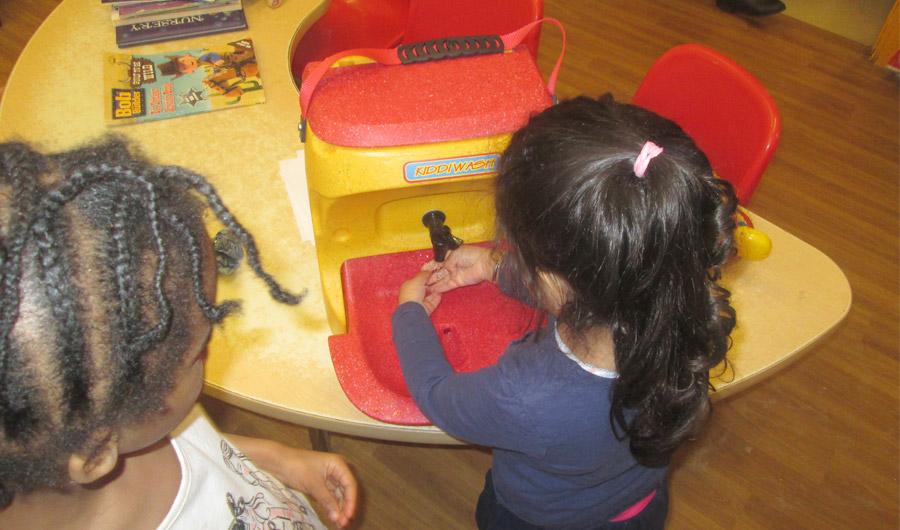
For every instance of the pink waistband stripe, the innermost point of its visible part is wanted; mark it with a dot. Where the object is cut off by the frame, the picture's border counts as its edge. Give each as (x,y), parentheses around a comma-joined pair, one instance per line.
(634,510)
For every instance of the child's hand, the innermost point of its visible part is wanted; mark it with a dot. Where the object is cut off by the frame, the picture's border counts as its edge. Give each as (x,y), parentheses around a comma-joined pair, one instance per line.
(415,290)
(326,478)
(323,476)
(467,265)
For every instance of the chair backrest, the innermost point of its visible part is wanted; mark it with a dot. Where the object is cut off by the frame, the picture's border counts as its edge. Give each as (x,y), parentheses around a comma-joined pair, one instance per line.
(346,25)
(431,19)
(726,110)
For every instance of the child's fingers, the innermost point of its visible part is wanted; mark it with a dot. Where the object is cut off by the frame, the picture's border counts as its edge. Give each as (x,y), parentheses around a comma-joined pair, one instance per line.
(431,301)
(342,486)
(413,289)
(336,506)
(348,501)
(438,275)
(419,280)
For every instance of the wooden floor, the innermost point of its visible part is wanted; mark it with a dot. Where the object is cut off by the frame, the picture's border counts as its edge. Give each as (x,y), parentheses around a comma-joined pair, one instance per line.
(814,447)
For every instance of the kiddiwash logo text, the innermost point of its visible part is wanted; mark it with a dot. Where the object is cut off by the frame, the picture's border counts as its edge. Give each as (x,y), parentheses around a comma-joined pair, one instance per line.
(448,168)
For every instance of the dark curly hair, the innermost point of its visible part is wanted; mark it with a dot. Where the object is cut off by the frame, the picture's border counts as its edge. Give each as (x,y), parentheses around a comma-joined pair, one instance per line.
(101,255)
(641,255)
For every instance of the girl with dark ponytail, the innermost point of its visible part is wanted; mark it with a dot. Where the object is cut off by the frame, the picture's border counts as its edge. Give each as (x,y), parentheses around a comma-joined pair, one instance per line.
(616,229)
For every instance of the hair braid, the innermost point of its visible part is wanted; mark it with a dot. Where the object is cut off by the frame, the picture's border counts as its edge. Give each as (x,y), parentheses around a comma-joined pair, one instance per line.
(25,196)
(140,341)
(123,264)
(162,303)
(224,215)
(20,160)
(18,418)
(212,311)
(55,275)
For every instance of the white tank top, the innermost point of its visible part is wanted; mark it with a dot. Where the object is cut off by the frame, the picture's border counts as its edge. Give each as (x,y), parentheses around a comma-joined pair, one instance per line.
(222,489)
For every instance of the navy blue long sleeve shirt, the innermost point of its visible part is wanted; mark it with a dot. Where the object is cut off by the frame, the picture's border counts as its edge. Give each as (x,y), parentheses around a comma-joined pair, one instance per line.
(556,460)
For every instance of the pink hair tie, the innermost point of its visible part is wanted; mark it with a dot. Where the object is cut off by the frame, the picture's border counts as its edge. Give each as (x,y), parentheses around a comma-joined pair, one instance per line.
(648,153)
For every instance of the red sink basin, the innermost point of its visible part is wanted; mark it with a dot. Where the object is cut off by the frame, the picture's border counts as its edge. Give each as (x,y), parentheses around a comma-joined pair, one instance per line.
(475,324)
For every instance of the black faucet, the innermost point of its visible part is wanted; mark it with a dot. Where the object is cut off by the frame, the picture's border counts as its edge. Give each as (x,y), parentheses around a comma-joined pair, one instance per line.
(441,238)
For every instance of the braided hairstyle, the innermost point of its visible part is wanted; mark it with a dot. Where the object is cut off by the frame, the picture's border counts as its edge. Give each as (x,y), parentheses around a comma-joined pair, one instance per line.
(101,255)
(641,256)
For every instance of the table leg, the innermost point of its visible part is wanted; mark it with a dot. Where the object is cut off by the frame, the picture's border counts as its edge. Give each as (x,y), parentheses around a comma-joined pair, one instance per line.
(320,440)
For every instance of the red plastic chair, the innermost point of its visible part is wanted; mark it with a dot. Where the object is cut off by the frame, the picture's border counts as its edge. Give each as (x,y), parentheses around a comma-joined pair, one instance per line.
(721,106)
(430,19)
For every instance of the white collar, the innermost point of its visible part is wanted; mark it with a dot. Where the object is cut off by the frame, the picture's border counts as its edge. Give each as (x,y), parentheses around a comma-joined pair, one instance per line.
(601,372)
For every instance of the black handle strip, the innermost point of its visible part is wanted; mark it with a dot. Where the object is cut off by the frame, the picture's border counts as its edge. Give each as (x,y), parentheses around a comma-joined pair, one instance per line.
(437,49)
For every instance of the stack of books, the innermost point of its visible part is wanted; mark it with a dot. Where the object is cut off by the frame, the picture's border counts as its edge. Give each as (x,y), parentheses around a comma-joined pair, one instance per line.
(142,22)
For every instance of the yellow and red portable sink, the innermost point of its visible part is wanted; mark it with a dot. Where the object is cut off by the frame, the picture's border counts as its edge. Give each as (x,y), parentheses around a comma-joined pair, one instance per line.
(384,144)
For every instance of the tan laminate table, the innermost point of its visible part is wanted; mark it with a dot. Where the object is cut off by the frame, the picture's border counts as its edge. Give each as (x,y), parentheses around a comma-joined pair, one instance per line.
(274,359)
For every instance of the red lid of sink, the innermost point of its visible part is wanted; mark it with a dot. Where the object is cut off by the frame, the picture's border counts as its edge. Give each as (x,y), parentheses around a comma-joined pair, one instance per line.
(475,325)
(373,105)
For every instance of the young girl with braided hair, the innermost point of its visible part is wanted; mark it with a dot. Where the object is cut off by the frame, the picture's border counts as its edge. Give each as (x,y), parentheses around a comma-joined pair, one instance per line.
(615,228)
(107,301)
